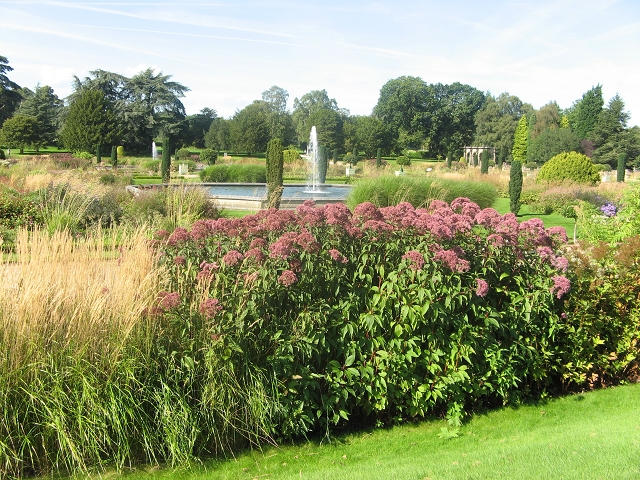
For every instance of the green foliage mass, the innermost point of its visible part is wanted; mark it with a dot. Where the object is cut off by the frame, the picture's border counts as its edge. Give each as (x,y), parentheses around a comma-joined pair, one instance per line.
(390,190)
(520,141)
(550,143)
(515,186)
(274,168)
(183,153)
(234,173)
(570,166)
(208,156)
(20,131)
(91,121)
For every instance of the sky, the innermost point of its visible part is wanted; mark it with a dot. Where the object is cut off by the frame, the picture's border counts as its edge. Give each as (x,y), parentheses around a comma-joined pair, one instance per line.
(228,53)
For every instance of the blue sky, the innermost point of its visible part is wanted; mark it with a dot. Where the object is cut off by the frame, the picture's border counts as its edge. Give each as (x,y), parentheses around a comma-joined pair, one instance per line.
(228,53)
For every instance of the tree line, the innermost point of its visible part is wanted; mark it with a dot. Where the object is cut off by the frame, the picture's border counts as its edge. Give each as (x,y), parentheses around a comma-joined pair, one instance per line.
(107,109)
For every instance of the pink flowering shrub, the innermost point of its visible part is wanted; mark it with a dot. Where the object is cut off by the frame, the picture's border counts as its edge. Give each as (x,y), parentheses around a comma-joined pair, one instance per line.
(387,313)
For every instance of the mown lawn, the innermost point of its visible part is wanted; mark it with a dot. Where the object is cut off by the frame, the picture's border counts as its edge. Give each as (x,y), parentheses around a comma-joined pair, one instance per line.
(595,435)
(551,220)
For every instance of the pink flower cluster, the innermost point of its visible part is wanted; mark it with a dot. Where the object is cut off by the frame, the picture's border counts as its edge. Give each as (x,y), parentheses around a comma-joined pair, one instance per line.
(210,307)
(482,288)
(337,256)
(287,278)
(168,300)
(561,285)
(415,259)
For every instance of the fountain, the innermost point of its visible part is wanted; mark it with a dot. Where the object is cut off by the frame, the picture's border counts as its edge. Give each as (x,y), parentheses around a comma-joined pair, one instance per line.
(313,160)
(253,196)
(154,151)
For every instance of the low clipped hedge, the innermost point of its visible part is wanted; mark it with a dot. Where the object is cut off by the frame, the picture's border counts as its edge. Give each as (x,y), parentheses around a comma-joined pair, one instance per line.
(234,173)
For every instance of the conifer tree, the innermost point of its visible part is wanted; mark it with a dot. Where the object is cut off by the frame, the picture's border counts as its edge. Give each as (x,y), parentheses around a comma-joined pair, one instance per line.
(484,162)
(114,155)
(622,160)
(98,154)
(379,158)
(323,161)
(520,141)
(165,166)
(515,186)
(275,166)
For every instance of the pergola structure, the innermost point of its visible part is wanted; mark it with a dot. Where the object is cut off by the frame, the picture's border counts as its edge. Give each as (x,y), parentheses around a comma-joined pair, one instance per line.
(469,153)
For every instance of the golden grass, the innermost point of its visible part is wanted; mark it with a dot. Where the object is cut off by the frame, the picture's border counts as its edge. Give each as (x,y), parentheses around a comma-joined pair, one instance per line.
(74,295)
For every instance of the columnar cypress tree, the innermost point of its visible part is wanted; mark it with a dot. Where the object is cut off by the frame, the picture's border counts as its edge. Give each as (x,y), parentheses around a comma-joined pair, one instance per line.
(622,160)
(98,154)
(449,159)
(165,166)
(322,164)
(520,141)
(515,186)
(275,166)
(484,162)
(379,158)
(114,156)
(335,155)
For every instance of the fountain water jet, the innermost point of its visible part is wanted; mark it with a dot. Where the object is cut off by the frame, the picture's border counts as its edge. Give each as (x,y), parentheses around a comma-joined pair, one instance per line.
(313,160)
(154,151)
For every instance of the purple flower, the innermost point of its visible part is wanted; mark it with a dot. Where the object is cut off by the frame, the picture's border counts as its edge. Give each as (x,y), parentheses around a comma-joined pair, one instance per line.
(179,235)
(287,278)
(482,287)
(561,263)
(207,270)
(415,259)
(255,254)
(609,209)
(561,285)
(179,260)
(209,307)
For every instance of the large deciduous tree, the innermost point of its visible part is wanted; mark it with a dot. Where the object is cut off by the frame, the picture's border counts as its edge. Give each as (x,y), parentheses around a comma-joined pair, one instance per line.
(217,138)
(306,106)
(9,92)
(195,128)
(372,134)
(496,123)
(548,117)
(328,125)
(249,128)
(45,106)
(20,131)
(280,121)
(90,122)
(404,104)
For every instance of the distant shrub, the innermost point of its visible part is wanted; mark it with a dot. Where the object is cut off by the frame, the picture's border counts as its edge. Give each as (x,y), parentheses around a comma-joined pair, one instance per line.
(291,154)
(120,151)
(234,173)
(83,155)
(571,166)
(107,179)
(208,156)
(152,165)
(183,153)
(403,161)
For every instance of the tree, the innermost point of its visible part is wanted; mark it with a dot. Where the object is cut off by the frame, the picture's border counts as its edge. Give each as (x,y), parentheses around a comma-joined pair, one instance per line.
(496,123)
(280,122)
(585,112)
(515,186)
(520,141)
(403,105)
(44,105)
(275,165)
(249,128)
(484,162)
(552,142)
(147,105)
(195,128)
(328,125)
(165,165)
(622,160)
(20,132)
(548,117)
(452,115)
(9,92)
(372,134)
(608,135)
(304,107)
(217,138)
(90,122)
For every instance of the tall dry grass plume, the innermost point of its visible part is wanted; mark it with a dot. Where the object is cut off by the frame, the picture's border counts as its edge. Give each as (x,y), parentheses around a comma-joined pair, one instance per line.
(84,296)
